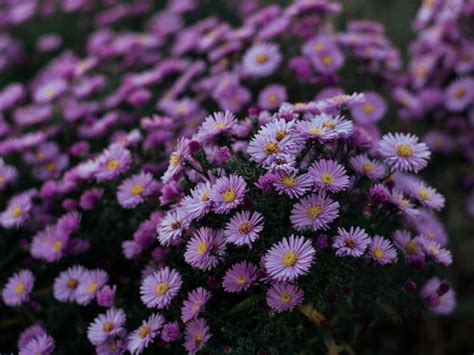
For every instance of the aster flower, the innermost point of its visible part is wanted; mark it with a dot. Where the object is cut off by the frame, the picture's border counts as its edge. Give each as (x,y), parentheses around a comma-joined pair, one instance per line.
(170,332)
(135,189)
(371,110)
(382,250)
(159,289)
(411,247)
(434,250)
(50,90)
(351,243)
(205,249)
(426,195)
(340,101)
(315,212)
(244,228)
(66,284)
(177,158)
(431,227)
(17,210)
(239,277)
(459,94)
(284,297)
(114,161)
(194,304)
(30,333)
(227,193)
(139,339)
(42,344)
(292,184)
(196,335)
(261,59)
(315,129)
(216,124)
(18,287)
(403,152)
(8,174)
(371,168)
(49,244)
(198,204)
(328,175)
(116,345)
(171,227)
(272,96)
(439,300)
(92,282)
(289,258)
(404,204)
(339,126)
(106,325)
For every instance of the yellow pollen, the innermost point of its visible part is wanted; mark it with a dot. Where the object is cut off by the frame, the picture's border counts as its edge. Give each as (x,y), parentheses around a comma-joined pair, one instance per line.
(51,167)
(378,253)
(316,131)
(280,135)
(220,125)
(92,288)
(327,178)
(50,93)
(245,228)
(228,195)
(205,197)
(143,331)
(424,194)
(240,280)
(404,150)
(368,108)
(113,164)
(261,58)
(72,283)
(161,288)
(289,258)
(460,93)
(175,225)
(2,179)
(180,109)
(411,247)
(137,189)
(273,99)
(327,60)
(289,181)
(16,212)
(196,307)
(57,245)
(271,148)
(329,124)
(107,326)
(314,211)
(318,47)
(349,242)
(198,337)
(19,288)
(285,298)
(174,159)
(201,248)
(367,168)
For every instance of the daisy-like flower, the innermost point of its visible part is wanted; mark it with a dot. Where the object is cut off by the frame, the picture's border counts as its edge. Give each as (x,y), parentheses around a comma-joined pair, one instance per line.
(49,91)
(114,161)
(18,287)
(49,244)
(10,95)
(382,250)
(271,146)
(433,249)
(244,228)
(66,284)
(315,212)
(353,242)
(196,335)
(239,277)
(135,189)
(315,129)
(42,344)
(272,97)
(459,94)
(371,110)
(439,296)
(116,345)
(205,249)
(106,325)
(139,339)
(404,204)
(292,184)
(215,125)
(159,289)
(403,152)
(227,193)
(30,333)
(172,227)
(289,258)
(198,204)
(411,247)
(371,168)
(17,211)
(329,175)
(284,297)
(431,227)
(177,158)
(340,101)
(324,54)
(261,59)
(94,280)
(426,195)
(194,304)
(336,124)
(8,174)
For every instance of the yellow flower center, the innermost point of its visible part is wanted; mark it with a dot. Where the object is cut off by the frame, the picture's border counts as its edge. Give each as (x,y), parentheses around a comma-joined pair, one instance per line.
(280,135)
(368,108)
(327,60)
(205,197)
(289,258)
(72,283)
(404,150)
(2,179)
(240,280)
(460,92)
(318,47)
(113,164)
(327,178)
(261,58)
(220,125)
(228,195)
(19,288)
(198,337)
(107,326)
(424,194)
(273,99)
(161,288)
(271,148)
(314,211)
(289,181)
(174,159)
(180,109)
(285,298)
(16,212)
(51,167)
(57,245)
(316,131)
(137,189)
(201,248)
(329,124)
(378,252)
(92,287)
(143,331)
(367,168)
(245,228)
(196,307)
(349,243)
(50,93)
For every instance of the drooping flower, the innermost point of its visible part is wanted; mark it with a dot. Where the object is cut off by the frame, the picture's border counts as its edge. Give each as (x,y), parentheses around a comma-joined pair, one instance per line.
(194,304)
(18,288)
(315,212)
(351,243)
(139,339)
(239,277)
(106,325)
(289,258)
(160,288)
(403,152)
(135,189)
(196,335)
(329,175)
(382,250)
(244,228)
(227,193)
(284,297)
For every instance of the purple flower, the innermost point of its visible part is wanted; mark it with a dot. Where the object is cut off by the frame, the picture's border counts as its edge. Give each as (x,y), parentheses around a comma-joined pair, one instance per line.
(112,162)
(198,204)
(438,299)
(272,96)
(135,189)
(216,124)
(159,289)
(139,339)
(239,277)
(40,344)
(170,332)
(227,193)
(205,249)
(93,281)
(196,335)
(293,185)
(261,59)
(90,198)
(315,212)
(176,161)
(433,249)
(194,304)
(17,211)
(382,250)
(171,227)
(328,175)
(30,333)
(284,297)
(289,258)
(363,165)
(8,174)
(426,195)
(67,283)
(105,297)
(403,152)
(106,325)
(49,90)
(244,228)
(371,110)
(353,242)
(18,287)
(459,94)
